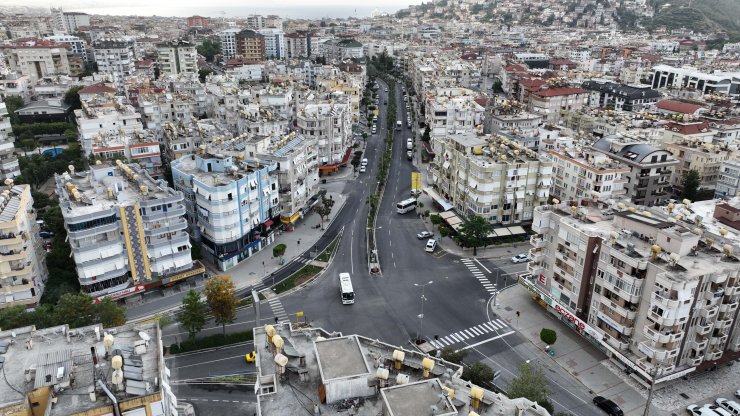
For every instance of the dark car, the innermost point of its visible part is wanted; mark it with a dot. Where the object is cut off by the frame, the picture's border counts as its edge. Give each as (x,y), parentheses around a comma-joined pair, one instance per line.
(608,406)
(46,234)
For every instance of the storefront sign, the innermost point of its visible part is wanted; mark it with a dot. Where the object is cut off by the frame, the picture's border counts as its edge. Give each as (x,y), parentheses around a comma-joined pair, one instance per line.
(121,293)
(570,317)
(184,275)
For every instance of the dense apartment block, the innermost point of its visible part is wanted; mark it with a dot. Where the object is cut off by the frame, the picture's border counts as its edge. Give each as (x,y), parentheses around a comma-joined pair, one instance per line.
(702,157)
(250,46)
(728,184)
(581,174)
(620,97)
(274,42)
(717,82)
(76,44)
(9,167)
(298,44)
(177,57)
(22,270)
(126,229)
(649,289)
(453,111)
(102,117)
(549,101)
(330,122)
(38,58)
(231,200)
(116,57)
(228,42)
(495,178)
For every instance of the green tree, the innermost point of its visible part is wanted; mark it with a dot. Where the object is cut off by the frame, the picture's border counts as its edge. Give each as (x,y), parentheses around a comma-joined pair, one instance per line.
(209,49)
(530,383)
(690,185)
(548,336)
(474,232)
(40,200)
(279,250)
(70,135)
(109,313)
(72,97)
(324,209)
(75,309)
(193,313)
(221,300)
(449,354)
(478,374)
(203,73)
(426,137)
(13,103)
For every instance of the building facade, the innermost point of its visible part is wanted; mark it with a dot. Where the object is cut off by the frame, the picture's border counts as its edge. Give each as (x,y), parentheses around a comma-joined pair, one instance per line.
(177,57)
(274,42)
(9,167)
(584,175)
(250,46)
(728,184)
(117,58)
(330,123)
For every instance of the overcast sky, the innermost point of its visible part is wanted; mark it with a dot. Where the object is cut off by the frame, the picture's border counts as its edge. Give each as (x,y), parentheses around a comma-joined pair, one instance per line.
(74,4)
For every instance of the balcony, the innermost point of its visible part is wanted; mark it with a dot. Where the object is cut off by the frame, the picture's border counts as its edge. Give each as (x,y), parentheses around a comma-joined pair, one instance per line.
(709,311)
(537,242)
(728,307)
(536,255)
(704,329)
(712,356)
(659,354)
(696,361)
(661,337)
(665,302)
(732,290)
(535,269)
(724,323)
(620,345)
(699,343)
(718,341)
(718,277)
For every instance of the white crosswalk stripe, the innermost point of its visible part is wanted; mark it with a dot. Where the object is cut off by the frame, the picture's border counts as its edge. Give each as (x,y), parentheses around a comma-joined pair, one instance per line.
(481,333)
(277,309)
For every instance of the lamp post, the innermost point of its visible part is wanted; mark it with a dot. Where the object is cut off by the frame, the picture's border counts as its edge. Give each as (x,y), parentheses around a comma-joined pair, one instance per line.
(421,315)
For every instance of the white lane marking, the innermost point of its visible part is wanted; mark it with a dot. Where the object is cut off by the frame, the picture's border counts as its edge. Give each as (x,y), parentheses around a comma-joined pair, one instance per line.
(462,335)
(490,327)
(482,328)
(457,338)
(481,265)
(475,331)
(486,340)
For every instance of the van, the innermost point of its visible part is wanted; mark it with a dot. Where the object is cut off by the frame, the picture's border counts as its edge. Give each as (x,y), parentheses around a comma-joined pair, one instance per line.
(730,406)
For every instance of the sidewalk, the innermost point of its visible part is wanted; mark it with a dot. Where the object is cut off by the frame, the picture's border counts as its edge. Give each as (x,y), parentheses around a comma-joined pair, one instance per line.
(252,270)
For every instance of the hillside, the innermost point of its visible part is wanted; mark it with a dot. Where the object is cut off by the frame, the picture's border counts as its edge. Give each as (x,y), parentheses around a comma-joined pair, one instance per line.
(703,15)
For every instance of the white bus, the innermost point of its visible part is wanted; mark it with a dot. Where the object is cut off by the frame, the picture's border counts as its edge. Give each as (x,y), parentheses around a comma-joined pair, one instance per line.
(345,287)
(406,205)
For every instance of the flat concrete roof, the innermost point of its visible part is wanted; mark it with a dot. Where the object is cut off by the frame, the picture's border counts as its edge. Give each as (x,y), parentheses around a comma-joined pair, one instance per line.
(417,399)
(340,357)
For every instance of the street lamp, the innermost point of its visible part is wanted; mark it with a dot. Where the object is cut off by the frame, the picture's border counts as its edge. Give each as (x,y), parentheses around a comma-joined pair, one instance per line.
(421,315)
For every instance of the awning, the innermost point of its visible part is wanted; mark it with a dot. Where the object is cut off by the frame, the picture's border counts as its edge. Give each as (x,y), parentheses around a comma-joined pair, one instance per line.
(328,168)
(502,232)
(347,154)
(517,230)
(268,223)
(446,206)
(293,218)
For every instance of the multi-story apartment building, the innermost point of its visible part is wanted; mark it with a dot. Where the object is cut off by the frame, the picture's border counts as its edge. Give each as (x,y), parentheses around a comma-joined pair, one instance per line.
(296,158)
(650,168)
(102,117)
(177,57)
(139,147)
(22,270)
(250,46)
(274,42)
(126,229)
(76,44)
(728,184)
(580,174)
(644,286)
(620,97)
(198,22)
(38,58)
(298,44)
(716,83)
(330,123)
(231,201)
(337,50)
(158,109)
(116,57)
(228,42)
(9,167)
(491,177)
(549,101)
(68,22)
(704,158)
(453,111)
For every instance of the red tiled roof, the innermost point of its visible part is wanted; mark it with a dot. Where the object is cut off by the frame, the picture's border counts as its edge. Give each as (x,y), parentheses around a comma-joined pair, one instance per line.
(97,89)
(515,67)
(482,101)
(532,83)
(688,128)
(562,61)
(677,106)
(559,91)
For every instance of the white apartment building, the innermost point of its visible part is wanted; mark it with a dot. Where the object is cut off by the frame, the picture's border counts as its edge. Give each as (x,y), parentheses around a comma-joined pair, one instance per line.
(491,177)
(582,174)
(274,42)
(68,22)
(116,57)
(23,271)
(716,83)
(139,147)
(105,118)
(643,286)
(177,57)
(728,184)
(231,201)
(330,122)
(453,111)
(296,158)
(157,109)
(126,230)
(9,167)
(38,58)
(228,42)
(76,44)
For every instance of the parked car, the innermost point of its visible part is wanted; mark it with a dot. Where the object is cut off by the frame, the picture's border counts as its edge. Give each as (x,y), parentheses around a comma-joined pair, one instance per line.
(362,169)
(730,406)
(694,410)
(46,234)
(424,234)
(520,258)
(737,394)
(409,155)
(431,245)
(608,406)
(415,192)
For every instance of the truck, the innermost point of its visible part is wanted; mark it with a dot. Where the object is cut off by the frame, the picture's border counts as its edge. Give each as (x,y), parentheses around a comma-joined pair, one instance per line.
(399,124)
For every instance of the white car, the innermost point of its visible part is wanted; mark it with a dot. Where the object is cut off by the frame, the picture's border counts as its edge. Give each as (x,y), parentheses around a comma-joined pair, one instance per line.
(737,394)
(362,169)
(729,405)
(424,234)
(520,258)
(431,245)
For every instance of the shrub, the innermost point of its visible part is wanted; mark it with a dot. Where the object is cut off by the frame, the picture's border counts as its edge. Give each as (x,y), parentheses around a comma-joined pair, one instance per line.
(436,219)
(449,354)
(548,336)
(278,250)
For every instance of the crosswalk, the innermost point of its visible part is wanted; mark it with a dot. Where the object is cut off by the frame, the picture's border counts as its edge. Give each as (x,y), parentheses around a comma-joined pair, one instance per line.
(278,310)
(478,274)
(304,260)
(491,330)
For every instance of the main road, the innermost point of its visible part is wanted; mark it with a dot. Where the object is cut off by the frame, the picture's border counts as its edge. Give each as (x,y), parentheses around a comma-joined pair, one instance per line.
(456,305)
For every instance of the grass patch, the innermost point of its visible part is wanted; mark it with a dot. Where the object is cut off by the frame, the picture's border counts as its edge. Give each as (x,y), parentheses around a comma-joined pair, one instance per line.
(297,278)
(326,254)
(211,341)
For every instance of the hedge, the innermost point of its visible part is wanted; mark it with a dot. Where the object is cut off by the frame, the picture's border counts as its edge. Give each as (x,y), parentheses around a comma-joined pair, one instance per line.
(40,129)
(211,341)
